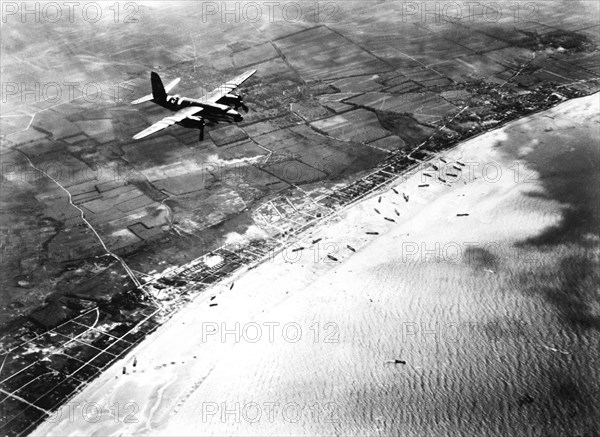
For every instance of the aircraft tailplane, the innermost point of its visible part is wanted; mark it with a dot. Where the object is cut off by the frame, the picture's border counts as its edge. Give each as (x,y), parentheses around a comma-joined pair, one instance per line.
(158,90)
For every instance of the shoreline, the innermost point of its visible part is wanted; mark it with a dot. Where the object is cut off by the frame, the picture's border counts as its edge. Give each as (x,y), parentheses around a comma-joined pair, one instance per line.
(317,269)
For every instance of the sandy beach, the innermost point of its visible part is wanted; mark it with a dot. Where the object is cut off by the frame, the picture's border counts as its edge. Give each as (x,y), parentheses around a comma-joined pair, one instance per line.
(483,283)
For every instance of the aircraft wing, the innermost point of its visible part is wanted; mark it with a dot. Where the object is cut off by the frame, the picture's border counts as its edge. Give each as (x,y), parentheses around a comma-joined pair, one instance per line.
(172,85)
(169,121)
(142,99)
(227,87)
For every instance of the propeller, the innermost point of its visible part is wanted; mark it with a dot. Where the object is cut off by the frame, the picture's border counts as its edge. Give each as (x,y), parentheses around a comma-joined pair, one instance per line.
(242,104)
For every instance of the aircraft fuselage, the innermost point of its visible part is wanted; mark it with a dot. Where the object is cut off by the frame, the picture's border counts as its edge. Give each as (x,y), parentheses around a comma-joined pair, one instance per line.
(210,111)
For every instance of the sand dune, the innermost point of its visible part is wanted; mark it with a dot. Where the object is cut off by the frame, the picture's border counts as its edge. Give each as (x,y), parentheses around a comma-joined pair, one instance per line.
(461,299)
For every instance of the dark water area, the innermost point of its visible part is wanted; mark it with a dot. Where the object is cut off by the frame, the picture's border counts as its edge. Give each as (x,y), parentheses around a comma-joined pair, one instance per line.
(567,163)
(571,177)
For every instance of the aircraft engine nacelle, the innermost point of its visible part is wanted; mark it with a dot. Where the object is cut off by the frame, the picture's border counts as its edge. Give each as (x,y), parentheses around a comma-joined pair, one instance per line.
(192,122)
(232,100)
(173,100)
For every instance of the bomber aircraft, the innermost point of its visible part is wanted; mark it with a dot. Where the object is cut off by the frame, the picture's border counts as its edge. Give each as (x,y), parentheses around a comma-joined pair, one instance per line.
(219,105)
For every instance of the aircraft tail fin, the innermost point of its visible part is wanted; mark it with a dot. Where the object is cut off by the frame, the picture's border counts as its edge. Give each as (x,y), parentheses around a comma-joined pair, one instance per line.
(158,90)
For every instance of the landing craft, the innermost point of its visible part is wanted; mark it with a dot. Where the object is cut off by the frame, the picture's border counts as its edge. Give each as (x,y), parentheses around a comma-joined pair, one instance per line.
(219,105)
(396,361)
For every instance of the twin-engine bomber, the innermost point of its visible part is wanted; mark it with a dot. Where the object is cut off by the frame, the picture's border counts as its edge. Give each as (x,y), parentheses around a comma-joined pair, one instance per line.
(219,105)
